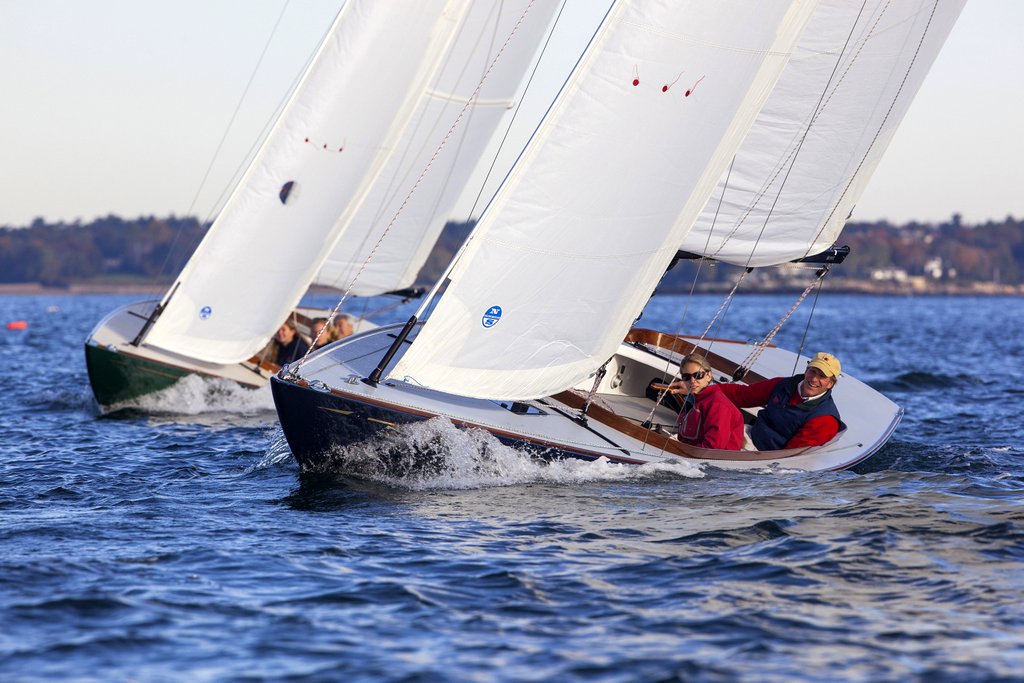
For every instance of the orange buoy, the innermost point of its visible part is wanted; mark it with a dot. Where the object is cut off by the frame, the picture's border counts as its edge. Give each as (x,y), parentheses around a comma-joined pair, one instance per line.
(17,325)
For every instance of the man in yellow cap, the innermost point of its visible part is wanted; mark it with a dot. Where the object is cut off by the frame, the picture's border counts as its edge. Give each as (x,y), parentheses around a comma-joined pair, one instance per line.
(798,411)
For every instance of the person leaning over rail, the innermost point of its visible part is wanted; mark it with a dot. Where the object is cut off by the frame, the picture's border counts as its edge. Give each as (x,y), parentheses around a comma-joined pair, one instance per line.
(798,411)
(707,418)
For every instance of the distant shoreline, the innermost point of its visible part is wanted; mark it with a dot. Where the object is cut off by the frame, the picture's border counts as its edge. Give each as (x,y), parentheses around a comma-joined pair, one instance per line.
(846,286)
(838,286)
(34,288)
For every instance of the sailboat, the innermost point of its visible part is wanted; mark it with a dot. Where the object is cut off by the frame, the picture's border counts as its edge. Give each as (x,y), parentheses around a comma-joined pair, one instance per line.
(373,108)
(738,134)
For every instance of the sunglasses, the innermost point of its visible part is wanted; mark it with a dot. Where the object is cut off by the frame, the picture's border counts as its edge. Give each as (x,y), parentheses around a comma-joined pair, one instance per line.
(686,376)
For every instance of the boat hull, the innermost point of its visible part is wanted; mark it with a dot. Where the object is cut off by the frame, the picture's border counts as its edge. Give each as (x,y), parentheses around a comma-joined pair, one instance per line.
(320,426)
(122,372)
(325,407)
(121,378)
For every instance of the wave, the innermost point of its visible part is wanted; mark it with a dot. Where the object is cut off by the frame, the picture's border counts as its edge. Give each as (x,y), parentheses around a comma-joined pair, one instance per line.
(435,454)
(195,395)
(999,464)
(58,399)
(917,381)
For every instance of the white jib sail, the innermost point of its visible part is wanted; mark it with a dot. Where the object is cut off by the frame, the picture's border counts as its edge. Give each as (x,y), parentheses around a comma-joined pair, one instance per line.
(823,130)
(577,238)
(422,214)
(336,133)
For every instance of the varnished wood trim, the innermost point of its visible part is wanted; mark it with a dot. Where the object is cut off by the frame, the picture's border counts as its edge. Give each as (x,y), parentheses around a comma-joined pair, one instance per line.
(678,344)
(661,442)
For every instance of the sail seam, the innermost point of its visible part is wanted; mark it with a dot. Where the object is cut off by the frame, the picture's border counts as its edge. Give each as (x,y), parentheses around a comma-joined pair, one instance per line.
(505,103)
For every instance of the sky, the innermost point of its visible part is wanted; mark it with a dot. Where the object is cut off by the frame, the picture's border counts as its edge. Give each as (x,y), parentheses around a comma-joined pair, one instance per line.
(121,107)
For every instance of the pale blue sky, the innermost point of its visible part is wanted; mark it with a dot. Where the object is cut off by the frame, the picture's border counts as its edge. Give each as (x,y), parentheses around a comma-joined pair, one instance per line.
(117,106)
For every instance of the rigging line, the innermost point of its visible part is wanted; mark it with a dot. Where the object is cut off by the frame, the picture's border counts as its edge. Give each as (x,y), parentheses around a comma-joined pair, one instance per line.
(689,298)
(723,306)
(707,242)
(402,179)
(472,98)
(519,104)
(228,127)
(803,138)
(888,113)
(763,344)
(759,348)
(807,327)
(598,376)
(250,154)
(443,281)
(727,302)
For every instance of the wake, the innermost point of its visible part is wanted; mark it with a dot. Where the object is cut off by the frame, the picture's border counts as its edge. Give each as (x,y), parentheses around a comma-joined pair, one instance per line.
(435,454)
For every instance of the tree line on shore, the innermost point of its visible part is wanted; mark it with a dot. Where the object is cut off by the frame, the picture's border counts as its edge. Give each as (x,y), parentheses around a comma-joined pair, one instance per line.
(149,249)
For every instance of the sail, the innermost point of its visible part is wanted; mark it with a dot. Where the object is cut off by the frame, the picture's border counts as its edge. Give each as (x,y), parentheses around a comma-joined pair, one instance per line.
(823,130)
(575,241)
(413,220)
(341,129)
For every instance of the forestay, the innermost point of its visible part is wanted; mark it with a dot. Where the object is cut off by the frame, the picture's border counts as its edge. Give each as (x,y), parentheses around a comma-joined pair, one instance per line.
(580,233)
(352,112)
(823,130)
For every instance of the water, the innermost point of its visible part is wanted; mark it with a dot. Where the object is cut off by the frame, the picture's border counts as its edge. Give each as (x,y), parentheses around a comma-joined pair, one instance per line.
(181,543)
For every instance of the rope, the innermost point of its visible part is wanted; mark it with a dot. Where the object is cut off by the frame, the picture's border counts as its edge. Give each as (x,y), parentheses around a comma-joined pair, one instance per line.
(763,344)
(807,327)
(227,130)
(469,102)
(519,104)
(888,113)
(790,160)
(598,376)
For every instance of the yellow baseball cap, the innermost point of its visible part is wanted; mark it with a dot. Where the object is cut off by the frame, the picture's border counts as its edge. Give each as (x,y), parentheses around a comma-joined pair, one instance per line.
(827,363)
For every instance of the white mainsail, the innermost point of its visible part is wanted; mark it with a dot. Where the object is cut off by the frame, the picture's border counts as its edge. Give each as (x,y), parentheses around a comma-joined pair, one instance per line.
(414,219)
(577,238)
(356,110)
(823,130)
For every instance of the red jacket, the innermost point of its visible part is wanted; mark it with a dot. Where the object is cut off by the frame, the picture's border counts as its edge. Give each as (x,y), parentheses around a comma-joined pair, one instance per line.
(815,432)
(712,421)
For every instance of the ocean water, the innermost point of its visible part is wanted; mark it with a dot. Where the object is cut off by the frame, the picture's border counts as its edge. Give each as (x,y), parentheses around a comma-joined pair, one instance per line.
(180,542)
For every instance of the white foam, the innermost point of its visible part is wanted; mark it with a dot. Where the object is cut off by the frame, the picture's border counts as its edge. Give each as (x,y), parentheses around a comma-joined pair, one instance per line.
(195,395)
(437,455)
(277,453)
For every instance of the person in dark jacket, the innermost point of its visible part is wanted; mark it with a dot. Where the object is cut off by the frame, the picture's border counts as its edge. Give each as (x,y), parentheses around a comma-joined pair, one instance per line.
(798,411)
(290,344)
(707,419)
(320,334)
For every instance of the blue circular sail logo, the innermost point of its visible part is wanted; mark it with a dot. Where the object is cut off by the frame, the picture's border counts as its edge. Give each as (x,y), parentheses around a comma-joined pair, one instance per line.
(491,317)
(205,312)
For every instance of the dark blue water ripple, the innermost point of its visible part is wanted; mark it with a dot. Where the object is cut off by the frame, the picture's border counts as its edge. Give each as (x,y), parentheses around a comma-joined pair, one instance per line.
(181,543)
